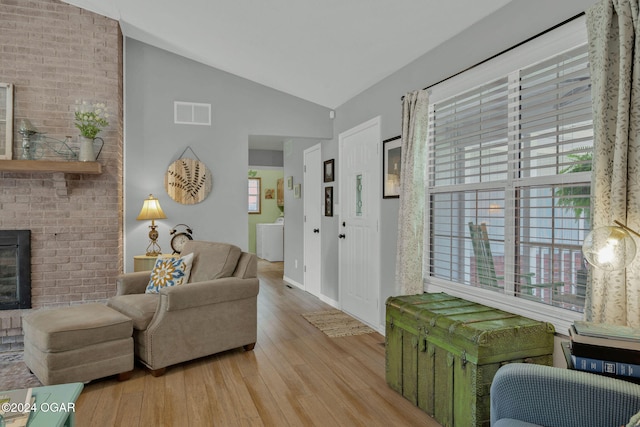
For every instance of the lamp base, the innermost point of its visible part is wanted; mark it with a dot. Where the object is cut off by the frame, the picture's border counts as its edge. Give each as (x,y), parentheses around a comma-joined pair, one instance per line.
(154,248)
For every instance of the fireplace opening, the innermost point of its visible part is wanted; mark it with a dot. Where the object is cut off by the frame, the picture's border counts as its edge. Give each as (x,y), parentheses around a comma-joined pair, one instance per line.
(15,269)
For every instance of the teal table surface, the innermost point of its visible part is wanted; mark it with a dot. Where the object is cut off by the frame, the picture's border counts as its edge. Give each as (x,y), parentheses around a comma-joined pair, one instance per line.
(54,405)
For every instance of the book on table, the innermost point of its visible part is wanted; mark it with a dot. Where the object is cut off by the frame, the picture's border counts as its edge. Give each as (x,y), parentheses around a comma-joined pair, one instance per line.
(22,419)
(605,367)
(622,337)
(19,402)
(605,349)
(621,355)
(604,330)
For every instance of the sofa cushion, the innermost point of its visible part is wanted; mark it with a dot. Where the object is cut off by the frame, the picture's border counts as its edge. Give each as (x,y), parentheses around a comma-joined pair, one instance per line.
(212,260)
(77,326)
(138,307)
(169,271)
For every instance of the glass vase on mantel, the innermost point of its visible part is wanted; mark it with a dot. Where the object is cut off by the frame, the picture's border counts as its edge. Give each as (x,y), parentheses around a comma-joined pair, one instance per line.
(87,149)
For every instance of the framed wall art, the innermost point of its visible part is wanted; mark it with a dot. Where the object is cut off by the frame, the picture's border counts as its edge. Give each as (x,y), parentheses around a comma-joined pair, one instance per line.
(269,193)
(391,167)
(188,181)
(6,121)
(328,201)
(328,170)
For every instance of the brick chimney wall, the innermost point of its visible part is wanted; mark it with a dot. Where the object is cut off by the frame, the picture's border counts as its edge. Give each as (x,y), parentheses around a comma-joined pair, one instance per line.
(55,54)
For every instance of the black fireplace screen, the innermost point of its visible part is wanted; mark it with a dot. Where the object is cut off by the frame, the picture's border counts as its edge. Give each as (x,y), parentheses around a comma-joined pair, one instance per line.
(15,269)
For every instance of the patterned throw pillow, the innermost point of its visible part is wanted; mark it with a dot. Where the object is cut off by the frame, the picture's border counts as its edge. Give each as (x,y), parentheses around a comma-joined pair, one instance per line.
(169,271)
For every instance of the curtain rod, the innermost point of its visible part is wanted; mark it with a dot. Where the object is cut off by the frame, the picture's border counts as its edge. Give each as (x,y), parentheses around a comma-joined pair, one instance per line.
(506,50)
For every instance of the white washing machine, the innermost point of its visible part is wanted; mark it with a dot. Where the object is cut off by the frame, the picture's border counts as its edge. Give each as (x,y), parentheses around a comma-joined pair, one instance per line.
(270,240)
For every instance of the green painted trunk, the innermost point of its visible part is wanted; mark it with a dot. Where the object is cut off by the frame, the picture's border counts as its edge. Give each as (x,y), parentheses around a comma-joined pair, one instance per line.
(442,353)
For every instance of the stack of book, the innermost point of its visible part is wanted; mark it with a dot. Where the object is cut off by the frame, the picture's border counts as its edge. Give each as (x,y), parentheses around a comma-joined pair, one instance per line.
(15,407)
(605,349)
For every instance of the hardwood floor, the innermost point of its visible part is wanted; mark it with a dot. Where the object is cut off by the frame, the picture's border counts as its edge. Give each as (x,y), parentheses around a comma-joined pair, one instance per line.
(295,376)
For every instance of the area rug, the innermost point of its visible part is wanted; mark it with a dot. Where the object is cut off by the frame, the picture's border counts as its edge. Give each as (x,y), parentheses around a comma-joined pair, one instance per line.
(335,323)
(14,374)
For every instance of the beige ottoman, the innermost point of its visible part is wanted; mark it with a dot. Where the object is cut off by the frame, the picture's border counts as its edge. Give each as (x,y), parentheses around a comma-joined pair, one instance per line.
(78,343)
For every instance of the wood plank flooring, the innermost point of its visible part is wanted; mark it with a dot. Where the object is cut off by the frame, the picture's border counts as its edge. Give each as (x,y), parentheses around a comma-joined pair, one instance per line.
(295,376)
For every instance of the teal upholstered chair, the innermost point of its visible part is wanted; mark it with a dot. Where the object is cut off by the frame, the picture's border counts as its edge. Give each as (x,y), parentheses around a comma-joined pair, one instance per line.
(528,395)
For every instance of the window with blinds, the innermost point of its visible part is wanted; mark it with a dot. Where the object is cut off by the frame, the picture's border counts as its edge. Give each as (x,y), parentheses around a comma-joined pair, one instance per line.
(509,183)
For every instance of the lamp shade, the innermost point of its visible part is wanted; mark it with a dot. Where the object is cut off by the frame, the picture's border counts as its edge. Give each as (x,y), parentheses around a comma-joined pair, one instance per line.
(151,209)
(609,248)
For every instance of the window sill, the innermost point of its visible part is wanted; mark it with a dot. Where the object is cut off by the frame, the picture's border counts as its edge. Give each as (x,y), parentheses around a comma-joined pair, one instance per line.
(561,319)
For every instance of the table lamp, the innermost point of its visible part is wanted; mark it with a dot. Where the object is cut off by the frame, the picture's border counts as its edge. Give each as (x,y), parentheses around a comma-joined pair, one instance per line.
(151,210)
(610,247)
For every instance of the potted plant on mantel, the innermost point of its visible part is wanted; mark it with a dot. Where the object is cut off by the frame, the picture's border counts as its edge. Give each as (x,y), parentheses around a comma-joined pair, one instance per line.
(578,199)
(90,119)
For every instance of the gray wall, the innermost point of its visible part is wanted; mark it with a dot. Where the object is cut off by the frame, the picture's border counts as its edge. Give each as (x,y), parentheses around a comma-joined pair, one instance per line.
(154,79)
(271,158)
(514,23)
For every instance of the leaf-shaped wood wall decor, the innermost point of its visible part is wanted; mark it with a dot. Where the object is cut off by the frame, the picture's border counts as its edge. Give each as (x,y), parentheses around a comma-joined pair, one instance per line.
(188,181)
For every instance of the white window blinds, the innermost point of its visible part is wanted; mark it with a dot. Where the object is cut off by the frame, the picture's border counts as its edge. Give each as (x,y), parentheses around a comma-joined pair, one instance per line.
(469,136)
(509,182)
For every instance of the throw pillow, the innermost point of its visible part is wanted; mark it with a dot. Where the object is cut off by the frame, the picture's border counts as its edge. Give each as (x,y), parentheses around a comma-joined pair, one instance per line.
(169,271)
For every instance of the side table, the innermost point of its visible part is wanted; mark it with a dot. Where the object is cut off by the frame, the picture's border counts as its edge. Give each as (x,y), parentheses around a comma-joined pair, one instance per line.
(145,262)
(55,405)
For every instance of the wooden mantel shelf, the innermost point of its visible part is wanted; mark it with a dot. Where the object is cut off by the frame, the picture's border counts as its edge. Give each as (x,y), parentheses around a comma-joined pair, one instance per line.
(90,168)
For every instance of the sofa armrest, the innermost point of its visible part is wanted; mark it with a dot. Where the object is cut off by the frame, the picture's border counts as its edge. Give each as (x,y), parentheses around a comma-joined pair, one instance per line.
(556,397)
(207,292)
(132,283)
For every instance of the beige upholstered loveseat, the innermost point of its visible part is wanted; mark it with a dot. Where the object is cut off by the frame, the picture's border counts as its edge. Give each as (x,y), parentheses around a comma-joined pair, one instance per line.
(215,311)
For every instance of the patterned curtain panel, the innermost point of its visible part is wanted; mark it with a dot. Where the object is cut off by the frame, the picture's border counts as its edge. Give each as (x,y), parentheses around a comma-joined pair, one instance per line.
(415,114)
(614,55)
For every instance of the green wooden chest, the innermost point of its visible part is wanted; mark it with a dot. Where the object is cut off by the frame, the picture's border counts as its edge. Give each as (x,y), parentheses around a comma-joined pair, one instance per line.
(442,353)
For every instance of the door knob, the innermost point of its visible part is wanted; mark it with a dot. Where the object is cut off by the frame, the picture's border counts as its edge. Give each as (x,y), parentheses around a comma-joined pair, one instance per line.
(316,230)
(341,236)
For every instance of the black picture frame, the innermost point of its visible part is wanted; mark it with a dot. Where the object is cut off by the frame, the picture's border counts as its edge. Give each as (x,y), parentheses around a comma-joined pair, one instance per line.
(329,170)
(328,201)
(391,166)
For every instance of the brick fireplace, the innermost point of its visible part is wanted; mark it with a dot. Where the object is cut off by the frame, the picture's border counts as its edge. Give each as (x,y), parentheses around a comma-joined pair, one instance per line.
(55,54)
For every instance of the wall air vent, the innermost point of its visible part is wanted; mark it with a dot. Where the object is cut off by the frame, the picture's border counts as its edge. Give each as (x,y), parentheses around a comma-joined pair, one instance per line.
(191,113)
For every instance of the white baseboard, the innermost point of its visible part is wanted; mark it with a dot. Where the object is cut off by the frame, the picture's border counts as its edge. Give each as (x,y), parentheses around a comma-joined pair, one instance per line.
(293,282)
(331,302)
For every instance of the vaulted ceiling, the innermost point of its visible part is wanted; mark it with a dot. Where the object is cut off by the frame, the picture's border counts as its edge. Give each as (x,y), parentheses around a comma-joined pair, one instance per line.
(324,51)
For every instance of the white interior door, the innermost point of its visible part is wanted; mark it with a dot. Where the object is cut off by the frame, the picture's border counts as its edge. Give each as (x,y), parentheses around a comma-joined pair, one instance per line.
(312,197)
(359,234)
